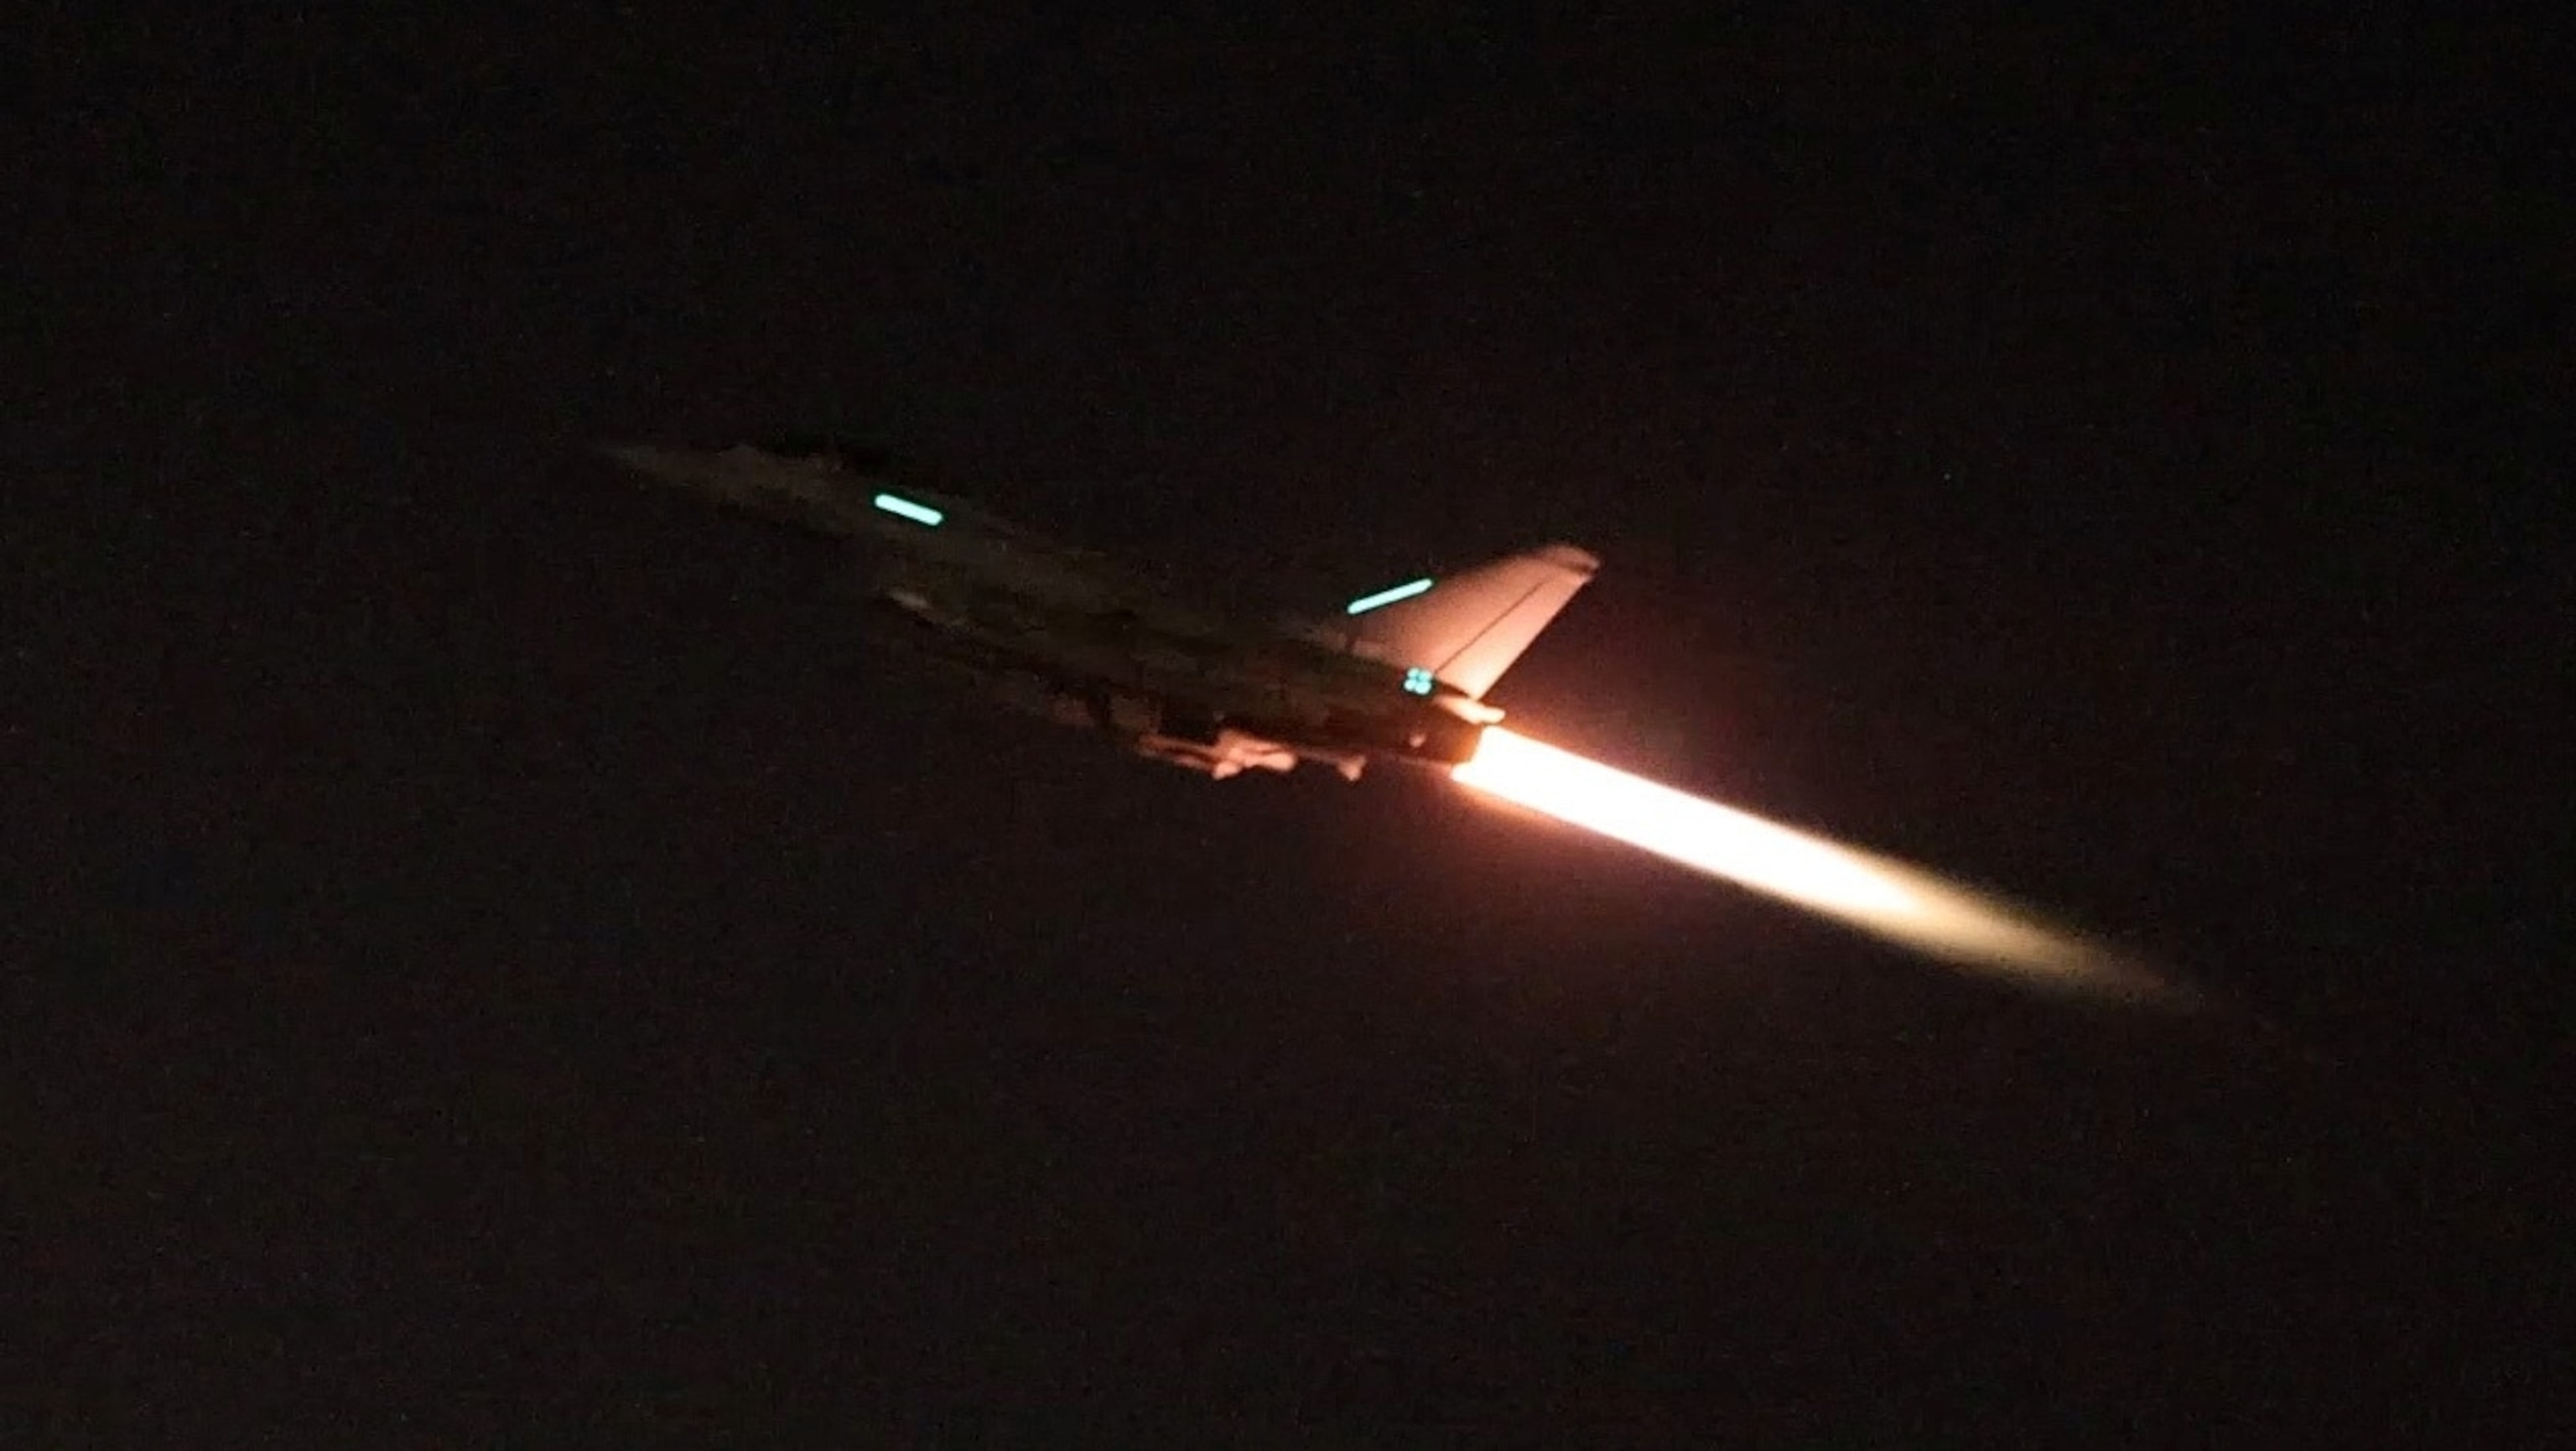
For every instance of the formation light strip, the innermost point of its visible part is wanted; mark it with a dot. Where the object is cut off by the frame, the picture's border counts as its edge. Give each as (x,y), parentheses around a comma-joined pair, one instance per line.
(907,509)
(1366,603)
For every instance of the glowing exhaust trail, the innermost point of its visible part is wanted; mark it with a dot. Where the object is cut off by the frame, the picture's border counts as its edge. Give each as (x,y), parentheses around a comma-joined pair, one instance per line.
(1895,901)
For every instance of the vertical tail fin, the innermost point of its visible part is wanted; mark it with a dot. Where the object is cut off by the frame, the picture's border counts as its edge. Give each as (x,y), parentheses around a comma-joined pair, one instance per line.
(1468,628)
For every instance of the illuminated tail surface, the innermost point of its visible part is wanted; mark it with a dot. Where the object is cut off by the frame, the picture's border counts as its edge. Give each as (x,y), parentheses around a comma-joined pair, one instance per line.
(1468,628)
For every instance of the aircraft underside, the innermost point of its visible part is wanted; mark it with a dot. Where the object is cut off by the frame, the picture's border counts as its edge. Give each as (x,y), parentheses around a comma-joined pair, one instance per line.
(1175,732)
(1234,752)
(1162,727)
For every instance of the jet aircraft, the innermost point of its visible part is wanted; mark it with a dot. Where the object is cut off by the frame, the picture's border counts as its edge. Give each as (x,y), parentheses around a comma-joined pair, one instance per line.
(1067,634)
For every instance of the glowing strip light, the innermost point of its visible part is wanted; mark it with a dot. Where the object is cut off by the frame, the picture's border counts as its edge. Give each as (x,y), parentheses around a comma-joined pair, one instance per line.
(917,513)
(1887,898)
(1366,603)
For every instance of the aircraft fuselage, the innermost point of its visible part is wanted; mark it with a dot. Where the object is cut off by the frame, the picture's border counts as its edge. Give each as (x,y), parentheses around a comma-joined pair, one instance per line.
(1066,634)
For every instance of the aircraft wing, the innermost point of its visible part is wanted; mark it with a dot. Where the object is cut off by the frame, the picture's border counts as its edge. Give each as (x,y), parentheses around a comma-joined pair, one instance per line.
(1466,629)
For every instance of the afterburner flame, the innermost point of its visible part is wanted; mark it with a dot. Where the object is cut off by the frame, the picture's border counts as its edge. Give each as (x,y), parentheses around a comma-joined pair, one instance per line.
(1888,898)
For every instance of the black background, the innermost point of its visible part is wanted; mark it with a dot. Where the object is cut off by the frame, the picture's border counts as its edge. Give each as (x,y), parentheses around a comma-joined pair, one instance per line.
(506,956)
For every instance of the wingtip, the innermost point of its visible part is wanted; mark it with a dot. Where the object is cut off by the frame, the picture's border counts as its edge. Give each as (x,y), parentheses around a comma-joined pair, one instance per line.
(1570,556)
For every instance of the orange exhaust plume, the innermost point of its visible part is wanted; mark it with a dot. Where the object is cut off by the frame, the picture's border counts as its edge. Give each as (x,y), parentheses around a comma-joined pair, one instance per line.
(1887,898)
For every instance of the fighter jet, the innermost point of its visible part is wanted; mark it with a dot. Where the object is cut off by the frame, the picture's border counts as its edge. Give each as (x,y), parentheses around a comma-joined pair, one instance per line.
(1069,635)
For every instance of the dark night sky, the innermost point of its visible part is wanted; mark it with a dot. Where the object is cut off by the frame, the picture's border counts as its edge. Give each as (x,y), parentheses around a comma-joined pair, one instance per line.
(506,953)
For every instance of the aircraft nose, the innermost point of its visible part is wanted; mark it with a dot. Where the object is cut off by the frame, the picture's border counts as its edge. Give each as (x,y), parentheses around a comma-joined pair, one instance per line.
(686,469)
(644,459)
